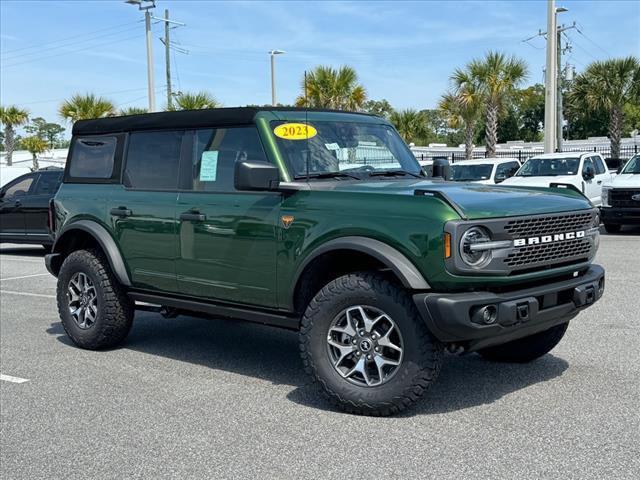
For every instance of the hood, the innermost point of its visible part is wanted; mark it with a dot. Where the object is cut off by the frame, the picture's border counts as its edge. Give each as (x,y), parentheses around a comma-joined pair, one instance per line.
(475,200)
(542,181)
(629,180)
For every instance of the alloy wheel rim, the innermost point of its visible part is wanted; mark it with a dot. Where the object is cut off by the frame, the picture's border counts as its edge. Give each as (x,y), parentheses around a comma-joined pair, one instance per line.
(365,346)
(83,300)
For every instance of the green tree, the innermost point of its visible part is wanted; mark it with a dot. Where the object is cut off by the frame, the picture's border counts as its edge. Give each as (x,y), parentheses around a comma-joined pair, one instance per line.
(411,124)
(498,77)
(327,87)
(531,113)
(381,108)
(132,111)
(47,131)
(463,109)
(12,117)
(34,145)
(194,101)
(608,86)
(84,107)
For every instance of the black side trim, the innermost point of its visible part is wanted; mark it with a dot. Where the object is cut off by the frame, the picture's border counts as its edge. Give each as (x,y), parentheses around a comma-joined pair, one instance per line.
(105,240)
(392,258)
(444,197)
(273,318)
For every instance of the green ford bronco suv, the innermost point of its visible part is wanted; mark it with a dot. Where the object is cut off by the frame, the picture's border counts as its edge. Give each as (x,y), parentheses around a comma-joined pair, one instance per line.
(321,222)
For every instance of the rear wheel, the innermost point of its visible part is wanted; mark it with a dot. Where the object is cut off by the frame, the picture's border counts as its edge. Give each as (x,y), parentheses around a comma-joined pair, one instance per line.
(612,227)
(364,342)
(94,308)
(526,349)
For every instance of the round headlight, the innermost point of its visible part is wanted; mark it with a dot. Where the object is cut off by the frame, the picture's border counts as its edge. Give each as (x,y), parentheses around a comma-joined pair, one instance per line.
(472,257)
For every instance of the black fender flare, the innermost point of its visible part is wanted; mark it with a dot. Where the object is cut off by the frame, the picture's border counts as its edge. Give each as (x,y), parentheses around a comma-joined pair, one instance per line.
(104,239)
(396,261)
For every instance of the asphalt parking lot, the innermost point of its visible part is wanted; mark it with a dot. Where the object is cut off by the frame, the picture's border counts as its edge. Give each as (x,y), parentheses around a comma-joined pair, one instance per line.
(194,398)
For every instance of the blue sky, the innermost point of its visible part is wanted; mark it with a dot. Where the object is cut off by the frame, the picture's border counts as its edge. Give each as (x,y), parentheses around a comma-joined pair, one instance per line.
(402,51)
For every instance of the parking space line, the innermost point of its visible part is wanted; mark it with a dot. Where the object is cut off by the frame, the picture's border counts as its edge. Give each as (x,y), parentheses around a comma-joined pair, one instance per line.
(20,259)
(9,378)
(27,294)
(25,276)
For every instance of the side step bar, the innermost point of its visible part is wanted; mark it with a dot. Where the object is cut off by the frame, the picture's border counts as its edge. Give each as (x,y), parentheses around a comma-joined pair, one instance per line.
(161,303)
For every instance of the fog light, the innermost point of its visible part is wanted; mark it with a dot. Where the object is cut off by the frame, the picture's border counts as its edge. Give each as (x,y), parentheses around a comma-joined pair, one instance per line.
(486,315)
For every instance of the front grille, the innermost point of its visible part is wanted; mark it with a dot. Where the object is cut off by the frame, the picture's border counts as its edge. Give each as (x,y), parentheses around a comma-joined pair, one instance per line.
(549,253)
(548,225)
(622,198)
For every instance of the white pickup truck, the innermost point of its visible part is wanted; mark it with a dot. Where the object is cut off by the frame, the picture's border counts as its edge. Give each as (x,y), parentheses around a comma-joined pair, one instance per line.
(586,171)
(621,198)
(486,170)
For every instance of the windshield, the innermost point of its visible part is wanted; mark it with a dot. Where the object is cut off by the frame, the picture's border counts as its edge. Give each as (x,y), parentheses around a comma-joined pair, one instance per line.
(348,148)
(462,173)
(632,166)
(549,167)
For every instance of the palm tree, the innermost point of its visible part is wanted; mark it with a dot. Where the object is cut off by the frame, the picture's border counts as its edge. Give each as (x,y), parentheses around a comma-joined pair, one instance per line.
(12,117)
(194,101)
(326,87)
(463,109)
(411,124)
(35,145)
(497,76)
(608,85)
(84,107)
(131,111)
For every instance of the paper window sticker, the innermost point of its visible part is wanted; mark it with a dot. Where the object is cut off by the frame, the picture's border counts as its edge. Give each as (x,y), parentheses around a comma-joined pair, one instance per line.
(332,146)
(209,166)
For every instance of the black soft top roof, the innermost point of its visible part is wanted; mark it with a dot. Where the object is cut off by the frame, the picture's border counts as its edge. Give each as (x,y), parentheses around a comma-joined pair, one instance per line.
(212,117)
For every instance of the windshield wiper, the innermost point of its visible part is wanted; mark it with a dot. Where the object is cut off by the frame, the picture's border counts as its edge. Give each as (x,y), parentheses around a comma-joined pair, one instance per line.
(327,175)
(393,173)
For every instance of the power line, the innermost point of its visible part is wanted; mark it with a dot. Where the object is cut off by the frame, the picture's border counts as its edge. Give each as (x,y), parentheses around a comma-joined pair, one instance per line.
(68,38)
(99,94)
(65,45)
(70,51)
(592,41)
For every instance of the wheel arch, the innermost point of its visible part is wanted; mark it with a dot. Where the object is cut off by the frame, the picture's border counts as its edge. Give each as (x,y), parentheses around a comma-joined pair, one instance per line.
(81,234)
(362,251)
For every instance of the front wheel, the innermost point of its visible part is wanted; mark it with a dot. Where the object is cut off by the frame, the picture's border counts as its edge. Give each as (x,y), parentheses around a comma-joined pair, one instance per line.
(94,308)
(526,349)
(363,341)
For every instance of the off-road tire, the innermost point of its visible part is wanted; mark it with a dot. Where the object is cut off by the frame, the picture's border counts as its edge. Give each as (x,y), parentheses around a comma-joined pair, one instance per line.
(612,227)
(115,309)
(422,356)
(526,349)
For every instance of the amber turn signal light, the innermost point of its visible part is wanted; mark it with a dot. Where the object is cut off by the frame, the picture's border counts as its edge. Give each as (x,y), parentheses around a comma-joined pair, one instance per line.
(447,245)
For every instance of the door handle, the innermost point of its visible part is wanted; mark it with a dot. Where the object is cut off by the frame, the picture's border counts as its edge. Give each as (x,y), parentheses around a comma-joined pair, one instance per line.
(18,203)
(193,216)
(120,212)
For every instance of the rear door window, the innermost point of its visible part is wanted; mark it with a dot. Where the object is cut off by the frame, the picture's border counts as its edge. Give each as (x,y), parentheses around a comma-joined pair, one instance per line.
(600,168)
(153,160)
(506,170)
(20,187)
(48,183)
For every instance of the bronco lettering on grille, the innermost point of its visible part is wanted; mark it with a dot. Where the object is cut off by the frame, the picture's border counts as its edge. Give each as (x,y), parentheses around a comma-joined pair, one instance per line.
(557,237)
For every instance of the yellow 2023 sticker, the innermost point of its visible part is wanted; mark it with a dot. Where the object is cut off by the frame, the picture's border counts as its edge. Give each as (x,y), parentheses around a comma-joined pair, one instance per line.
(295,131)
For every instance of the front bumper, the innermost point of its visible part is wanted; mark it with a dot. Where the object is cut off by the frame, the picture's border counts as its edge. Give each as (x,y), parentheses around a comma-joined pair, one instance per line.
(620,216)
(455,318)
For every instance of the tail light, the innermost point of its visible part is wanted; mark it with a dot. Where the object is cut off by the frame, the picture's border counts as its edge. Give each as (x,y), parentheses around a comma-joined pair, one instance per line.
(51,218)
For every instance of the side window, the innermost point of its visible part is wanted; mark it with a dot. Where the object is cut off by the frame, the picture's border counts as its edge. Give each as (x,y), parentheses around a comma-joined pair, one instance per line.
(587,163)
(600,168)
(152,160)
(215,153)
(20,187)
(93,157)
(48,183)
(506,170)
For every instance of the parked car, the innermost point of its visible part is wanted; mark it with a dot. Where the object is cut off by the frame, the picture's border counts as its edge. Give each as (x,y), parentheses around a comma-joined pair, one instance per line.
(24,207)
(487,170)
(272,215)
(584,171)
(621,197)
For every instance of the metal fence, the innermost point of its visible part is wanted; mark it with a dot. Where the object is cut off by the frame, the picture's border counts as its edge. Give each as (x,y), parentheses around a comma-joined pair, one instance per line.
(626,152)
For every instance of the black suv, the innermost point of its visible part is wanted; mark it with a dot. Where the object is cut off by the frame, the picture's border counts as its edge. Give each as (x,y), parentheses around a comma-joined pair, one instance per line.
(24,207)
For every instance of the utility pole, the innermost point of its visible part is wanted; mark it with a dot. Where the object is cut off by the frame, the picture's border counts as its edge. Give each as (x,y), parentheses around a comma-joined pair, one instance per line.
(150,83)
(550,80)
(561,78)
(273,54)
(167,57)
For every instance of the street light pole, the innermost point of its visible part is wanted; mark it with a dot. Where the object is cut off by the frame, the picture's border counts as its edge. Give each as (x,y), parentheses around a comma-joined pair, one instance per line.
(550,80)
(150,79)
(273,54)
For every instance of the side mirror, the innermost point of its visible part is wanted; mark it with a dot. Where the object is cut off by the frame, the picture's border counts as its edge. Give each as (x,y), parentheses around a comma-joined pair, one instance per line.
(256,176)
(501,177)
(619,169)
(441,168)
(589,173)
